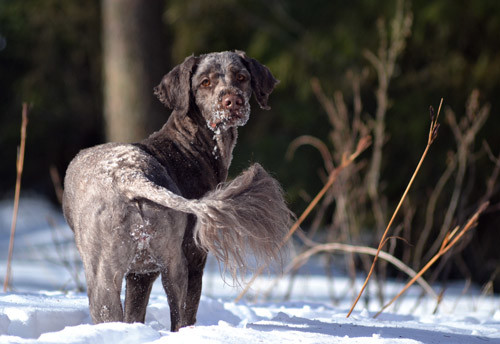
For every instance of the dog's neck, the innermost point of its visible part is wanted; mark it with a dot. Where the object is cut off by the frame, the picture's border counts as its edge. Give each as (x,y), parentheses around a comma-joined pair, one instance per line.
(219,142)
(186,145)
(223,145)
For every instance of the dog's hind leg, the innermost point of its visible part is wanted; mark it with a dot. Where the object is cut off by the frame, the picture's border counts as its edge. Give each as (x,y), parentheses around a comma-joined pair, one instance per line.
(174,279)
(103,288)
(138,288)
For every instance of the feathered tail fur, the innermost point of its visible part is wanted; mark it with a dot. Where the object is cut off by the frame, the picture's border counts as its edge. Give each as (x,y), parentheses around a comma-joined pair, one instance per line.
(245,216)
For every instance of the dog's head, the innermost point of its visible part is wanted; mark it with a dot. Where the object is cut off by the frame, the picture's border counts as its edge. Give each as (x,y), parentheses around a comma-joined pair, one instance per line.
(220,85)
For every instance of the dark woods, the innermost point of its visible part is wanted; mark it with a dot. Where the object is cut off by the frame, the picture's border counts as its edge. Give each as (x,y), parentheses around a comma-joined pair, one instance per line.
(344,72)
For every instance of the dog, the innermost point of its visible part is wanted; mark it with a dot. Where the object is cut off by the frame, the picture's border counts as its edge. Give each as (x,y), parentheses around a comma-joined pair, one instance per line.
(157,207)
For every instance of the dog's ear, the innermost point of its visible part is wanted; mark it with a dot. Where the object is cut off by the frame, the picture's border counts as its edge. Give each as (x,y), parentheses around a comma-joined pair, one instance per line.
(263,82)
(174,89)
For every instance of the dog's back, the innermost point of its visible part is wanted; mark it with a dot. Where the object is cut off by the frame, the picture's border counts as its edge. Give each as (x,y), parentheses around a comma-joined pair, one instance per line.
(103,177)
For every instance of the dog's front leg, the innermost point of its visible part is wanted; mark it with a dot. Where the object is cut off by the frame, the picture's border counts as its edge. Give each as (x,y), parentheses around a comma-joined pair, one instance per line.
(196,258)
(194,286)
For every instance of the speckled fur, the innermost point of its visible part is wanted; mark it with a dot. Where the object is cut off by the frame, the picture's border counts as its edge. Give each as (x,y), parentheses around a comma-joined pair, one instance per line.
(158,206)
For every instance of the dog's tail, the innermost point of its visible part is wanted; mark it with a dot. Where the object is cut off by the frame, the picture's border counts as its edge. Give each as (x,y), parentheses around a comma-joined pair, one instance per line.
(246,215)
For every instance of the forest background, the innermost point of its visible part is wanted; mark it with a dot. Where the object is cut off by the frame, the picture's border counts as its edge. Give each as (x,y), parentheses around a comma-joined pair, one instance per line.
(338,83)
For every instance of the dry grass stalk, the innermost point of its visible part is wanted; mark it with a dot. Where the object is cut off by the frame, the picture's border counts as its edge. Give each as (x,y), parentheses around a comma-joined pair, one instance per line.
(465,133)
(363,144)
(348,194)
(448,242)
(431,208)
(19,170)
(391,46)
(63,253)
(316,248)
(351,193)
(494,175)
(56,181)
(433,130)
(316,143)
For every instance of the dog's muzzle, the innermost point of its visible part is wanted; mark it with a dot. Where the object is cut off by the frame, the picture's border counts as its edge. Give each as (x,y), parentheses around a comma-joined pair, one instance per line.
(232,109)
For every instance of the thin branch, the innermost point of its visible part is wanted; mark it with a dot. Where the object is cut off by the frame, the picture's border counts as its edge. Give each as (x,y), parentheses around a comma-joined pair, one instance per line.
(19,169)
(445,247)
(431,208)
(327,104)
(433,130)
(56,181)
(494,175)
(363,144)
(465,134)
(298,261)
(316,143)
(384,63)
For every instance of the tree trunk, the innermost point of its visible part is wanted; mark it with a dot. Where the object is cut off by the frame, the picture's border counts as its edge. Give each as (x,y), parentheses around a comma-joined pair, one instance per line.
(134,61)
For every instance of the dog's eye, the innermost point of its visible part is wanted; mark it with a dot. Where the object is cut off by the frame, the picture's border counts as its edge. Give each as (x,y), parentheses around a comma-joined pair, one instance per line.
(205,83)
(241,77)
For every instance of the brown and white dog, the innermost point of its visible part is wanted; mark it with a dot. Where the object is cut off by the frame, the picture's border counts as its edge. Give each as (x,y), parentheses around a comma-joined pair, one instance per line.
(158,206)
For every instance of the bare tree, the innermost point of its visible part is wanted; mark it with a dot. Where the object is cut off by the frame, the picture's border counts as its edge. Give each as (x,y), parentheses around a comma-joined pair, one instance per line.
(134,60)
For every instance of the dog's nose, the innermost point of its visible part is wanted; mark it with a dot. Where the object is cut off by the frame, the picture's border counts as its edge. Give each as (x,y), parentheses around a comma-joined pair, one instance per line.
(232,102)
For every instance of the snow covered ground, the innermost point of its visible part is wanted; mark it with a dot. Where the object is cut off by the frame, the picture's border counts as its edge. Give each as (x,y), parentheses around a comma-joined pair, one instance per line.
(45,308)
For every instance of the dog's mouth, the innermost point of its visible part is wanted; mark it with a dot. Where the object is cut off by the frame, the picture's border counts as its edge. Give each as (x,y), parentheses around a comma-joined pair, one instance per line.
(225,122)
(224,118)
(228,118)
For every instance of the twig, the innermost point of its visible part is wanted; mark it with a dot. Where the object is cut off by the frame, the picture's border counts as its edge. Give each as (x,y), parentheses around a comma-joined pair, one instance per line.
(19,168)
(494,175)
(346,161)
(63,254)
(465,133)
(56,180)
(445,247)
(384,63)
(316,143)
(433,130)
(303,257)
(431,209)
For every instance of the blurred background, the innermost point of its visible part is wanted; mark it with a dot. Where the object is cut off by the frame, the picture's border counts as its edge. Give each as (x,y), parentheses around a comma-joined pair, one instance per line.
(347,69)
